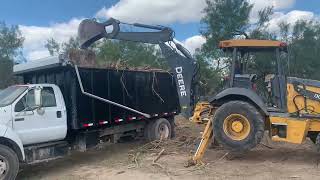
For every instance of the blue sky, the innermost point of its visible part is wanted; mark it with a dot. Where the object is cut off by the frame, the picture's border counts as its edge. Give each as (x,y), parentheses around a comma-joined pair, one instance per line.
(59,18)
(46,12)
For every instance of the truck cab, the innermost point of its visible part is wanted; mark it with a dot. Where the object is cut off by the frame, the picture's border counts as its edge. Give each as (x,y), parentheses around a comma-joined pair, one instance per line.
(36,113)
(29,114)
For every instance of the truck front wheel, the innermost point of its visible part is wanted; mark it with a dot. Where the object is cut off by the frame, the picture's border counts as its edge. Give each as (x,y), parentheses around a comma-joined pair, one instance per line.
(9,163)
(238,126)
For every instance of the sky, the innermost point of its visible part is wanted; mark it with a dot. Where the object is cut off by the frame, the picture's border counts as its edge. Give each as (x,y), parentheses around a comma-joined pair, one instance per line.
(40,20)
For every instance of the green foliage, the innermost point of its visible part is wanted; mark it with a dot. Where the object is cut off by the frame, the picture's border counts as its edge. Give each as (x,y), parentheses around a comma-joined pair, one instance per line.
(130,53)
(304,46)
(10,41)
(210,77)
(10,46)
(53,47)
(260,28)
(111,52)
(6,77)
(223,19)
(56,48)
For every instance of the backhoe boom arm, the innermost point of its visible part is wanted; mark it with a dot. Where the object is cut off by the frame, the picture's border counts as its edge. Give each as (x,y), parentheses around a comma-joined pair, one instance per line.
(181,63)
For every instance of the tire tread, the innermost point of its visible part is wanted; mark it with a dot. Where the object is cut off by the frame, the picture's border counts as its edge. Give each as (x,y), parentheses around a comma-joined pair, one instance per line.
(249,142)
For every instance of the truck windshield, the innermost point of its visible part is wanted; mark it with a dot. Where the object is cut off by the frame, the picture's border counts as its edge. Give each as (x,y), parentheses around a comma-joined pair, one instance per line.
(7,96)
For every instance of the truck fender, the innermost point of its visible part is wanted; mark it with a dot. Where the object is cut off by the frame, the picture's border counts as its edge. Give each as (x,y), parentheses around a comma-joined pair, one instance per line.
(11,139)
(240,94)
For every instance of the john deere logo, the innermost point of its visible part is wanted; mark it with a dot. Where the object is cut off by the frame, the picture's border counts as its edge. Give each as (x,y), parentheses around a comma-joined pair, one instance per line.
(182,87)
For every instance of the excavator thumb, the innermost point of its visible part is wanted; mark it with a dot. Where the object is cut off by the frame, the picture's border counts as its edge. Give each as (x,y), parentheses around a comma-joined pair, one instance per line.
(90,31)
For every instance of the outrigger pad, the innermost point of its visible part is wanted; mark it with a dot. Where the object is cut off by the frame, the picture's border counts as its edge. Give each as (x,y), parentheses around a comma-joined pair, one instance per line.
(90,31)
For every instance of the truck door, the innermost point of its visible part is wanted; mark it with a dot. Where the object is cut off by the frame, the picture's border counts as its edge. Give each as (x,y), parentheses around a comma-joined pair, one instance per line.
(37,125)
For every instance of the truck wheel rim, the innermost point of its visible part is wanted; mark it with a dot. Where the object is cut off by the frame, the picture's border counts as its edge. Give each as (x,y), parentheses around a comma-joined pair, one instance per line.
(4,167)
(236,127)
(164,131)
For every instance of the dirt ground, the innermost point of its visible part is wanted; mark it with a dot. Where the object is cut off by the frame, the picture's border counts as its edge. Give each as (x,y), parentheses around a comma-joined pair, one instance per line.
(136,160)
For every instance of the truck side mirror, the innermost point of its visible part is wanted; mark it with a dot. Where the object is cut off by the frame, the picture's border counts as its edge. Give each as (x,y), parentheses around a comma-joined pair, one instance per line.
(37,97)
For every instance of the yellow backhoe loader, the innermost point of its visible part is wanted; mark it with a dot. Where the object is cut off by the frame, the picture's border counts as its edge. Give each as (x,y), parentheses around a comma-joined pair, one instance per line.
(289,108)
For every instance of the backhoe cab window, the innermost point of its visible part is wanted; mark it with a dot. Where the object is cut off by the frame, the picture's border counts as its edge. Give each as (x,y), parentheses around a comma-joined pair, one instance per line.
(27,102)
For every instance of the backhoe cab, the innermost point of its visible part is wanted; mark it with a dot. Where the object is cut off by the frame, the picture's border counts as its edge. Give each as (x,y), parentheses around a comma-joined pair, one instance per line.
(288,107)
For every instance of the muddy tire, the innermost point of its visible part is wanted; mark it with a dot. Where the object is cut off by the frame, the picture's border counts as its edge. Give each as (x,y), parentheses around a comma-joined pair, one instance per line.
(238,126)
(146,131)
(173,127)
(157,129)
(9,163)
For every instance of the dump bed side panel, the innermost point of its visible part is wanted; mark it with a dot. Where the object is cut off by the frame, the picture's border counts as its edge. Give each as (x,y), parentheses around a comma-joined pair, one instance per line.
(149,92)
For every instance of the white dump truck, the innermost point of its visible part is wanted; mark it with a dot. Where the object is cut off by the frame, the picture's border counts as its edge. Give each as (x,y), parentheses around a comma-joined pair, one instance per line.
(60,107)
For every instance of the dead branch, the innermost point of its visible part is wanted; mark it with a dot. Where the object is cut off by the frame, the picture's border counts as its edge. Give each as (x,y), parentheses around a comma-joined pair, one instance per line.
(153,90)
(266,146)
(158,157)
(223,156)
(134,158)
(123,85)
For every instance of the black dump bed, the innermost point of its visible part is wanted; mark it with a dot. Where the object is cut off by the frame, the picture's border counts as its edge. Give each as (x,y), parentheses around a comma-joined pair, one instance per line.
(151,92)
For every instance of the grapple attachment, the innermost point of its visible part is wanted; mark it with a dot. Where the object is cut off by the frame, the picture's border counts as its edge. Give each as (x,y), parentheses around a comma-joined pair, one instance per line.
(90,31)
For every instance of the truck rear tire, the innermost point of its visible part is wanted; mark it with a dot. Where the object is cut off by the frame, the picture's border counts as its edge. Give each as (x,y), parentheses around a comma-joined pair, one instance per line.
(238,126)
(9,163)
(159,129)
(173,127)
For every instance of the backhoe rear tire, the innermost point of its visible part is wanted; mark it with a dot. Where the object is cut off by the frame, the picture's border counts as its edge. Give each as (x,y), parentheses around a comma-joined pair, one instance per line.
(238,126)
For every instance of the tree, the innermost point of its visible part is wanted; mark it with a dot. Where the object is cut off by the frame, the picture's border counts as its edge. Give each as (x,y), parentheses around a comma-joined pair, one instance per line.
(210,77)
(304,50)
(56,48)
(10,47)
(260,28)
(223,20)
(53,47)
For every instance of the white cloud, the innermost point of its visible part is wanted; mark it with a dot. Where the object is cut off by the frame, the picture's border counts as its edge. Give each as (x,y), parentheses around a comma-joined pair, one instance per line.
(276,4)
(37,54)
(194,42)
(291,18)
(155,12)
(279,16)
(36,37)
(171,11)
